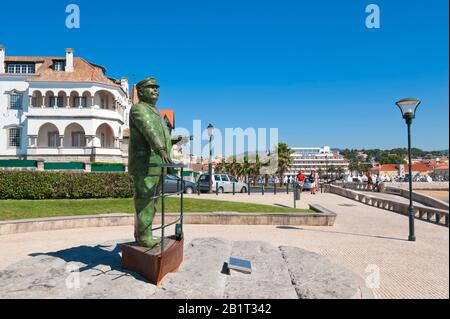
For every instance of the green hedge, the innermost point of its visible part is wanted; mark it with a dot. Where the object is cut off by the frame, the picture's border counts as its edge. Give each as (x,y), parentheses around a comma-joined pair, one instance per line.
(57,185)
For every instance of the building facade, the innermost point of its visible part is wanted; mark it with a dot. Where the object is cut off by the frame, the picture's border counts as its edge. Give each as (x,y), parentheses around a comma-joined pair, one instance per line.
(393,170)
(61,109)
(307,159)
(441,171)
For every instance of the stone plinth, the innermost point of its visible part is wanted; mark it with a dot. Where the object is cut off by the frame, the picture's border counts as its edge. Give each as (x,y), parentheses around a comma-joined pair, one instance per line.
(153,264)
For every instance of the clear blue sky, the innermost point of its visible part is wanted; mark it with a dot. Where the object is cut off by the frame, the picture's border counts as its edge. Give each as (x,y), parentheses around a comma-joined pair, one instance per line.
(310,68)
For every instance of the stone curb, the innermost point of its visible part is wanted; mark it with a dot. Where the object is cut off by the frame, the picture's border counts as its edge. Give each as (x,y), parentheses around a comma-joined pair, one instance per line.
(321,217)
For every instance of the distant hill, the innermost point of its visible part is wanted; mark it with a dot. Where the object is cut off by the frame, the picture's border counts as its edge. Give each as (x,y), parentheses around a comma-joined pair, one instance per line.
(394,150)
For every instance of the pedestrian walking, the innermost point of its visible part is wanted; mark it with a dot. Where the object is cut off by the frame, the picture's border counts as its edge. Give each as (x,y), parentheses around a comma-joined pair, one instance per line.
(312,182)
(301,177)
(370,181)
(316,181)
(301,180)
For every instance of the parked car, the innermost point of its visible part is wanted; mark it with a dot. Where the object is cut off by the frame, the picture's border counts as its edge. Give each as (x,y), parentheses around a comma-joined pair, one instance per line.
(224,182)
(306,185)
(172,184)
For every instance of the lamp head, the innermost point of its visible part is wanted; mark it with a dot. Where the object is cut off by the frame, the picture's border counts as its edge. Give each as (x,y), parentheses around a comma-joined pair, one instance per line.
(408,107)
(210,129)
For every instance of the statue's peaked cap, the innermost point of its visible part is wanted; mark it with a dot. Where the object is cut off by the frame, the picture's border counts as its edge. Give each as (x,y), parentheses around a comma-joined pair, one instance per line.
(147,81)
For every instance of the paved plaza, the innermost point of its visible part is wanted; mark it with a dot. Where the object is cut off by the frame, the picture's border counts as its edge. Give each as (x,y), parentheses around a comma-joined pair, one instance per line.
(441,195)
(287,200)
(364,240)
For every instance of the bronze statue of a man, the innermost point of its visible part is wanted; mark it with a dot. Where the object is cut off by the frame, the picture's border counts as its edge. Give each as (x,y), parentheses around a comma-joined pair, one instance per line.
(150,142)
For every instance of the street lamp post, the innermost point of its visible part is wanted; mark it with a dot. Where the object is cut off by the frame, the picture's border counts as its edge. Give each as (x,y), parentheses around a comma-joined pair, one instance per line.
(210,133)
(191,146)
(408,108)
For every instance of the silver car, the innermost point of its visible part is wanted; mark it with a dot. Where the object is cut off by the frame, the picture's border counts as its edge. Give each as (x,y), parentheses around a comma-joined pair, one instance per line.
(223,182)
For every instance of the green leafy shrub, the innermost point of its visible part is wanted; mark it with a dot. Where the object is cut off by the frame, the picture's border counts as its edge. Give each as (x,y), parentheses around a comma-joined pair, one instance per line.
(58,185)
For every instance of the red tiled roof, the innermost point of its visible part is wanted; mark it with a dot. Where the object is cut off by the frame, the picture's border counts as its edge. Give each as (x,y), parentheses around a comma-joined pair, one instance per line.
(418,167)
(134,96)
(84,71)
(170,115)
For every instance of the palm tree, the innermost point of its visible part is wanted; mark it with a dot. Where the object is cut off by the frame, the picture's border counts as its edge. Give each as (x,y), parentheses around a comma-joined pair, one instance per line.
(340,171)
(320,172)
(353,167)
(220,168)
(284,160)
(331,170)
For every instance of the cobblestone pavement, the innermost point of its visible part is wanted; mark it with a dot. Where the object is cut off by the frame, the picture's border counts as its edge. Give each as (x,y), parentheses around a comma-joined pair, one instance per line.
(364,240)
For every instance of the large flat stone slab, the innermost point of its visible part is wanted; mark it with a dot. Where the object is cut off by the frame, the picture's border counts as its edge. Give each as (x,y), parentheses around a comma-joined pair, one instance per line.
(315,277)
(269,279)
(200,275)
(95,272)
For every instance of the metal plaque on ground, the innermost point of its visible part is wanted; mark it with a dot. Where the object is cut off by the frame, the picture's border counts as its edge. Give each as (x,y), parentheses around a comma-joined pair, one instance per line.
(240,265)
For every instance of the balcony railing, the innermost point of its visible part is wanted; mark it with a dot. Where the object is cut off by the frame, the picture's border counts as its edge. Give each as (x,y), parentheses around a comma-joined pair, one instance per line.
(81,112)
(73,151)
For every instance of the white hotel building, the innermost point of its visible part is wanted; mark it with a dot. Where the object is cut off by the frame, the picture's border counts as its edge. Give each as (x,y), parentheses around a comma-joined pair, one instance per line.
(307,159)
(61,109)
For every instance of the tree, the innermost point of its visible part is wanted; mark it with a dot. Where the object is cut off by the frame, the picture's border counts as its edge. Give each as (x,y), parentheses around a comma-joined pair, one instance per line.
(340,171)
(321,172)
(353,166)
(284,160)
(331,170)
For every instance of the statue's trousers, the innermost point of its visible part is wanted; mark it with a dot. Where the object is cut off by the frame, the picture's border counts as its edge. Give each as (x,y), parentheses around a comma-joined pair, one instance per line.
(146,187)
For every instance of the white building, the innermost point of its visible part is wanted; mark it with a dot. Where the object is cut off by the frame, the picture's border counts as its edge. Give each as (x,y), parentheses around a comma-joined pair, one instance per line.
(307,159)
(60,109)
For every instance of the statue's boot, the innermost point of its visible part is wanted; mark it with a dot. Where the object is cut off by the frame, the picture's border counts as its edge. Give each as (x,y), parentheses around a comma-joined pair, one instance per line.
(150,242)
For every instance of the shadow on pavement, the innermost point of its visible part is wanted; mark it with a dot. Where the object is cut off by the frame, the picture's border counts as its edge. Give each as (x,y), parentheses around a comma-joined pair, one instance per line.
(281,205)
(343,233)
(94,258)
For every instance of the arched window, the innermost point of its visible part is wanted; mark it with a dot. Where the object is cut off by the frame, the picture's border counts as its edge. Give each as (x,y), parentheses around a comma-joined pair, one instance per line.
(78,139)
(74,136)
(48,136)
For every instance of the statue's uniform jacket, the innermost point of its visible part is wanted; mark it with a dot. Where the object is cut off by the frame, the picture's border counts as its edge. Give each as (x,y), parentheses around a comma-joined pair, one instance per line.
(148,135)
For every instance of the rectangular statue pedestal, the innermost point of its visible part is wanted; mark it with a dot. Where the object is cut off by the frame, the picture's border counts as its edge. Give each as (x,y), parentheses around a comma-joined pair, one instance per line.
(151,263)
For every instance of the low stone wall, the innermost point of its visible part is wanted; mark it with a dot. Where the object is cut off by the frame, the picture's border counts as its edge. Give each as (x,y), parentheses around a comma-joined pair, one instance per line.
(434,186)
(321,217)
(418,197)
(403,192)
(356,186)
(438,216)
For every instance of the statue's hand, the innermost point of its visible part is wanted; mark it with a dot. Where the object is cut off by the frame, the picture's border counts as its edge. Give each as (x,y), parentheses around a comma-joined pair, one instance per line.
(165,157)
